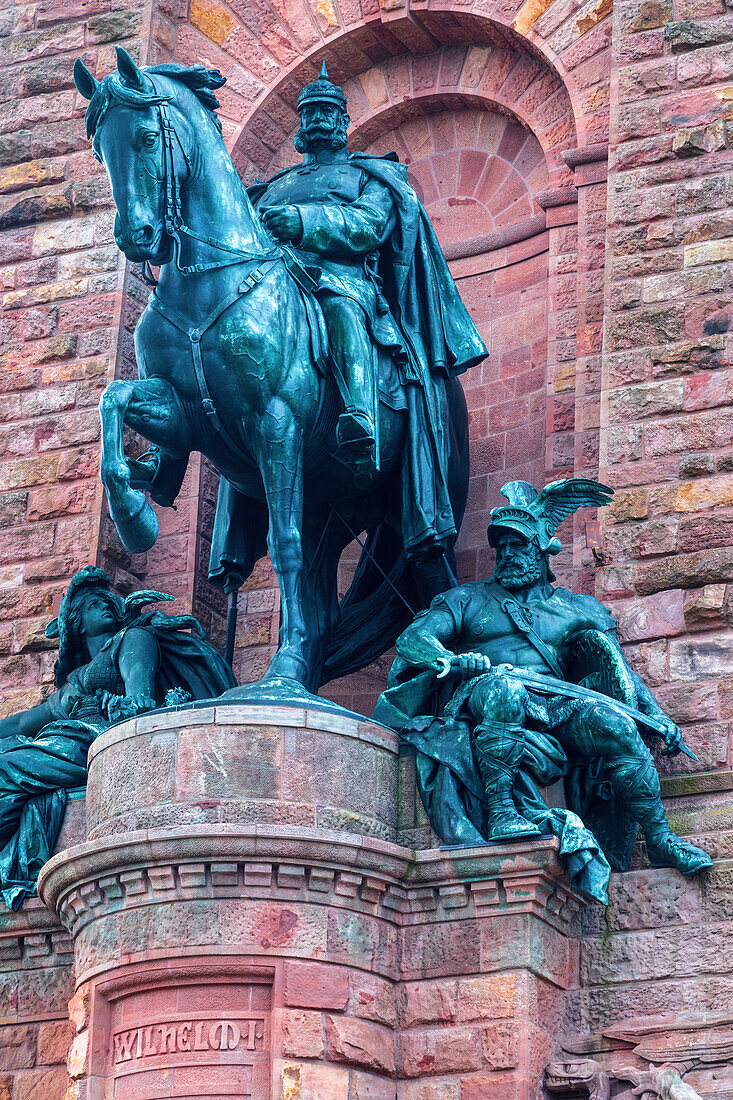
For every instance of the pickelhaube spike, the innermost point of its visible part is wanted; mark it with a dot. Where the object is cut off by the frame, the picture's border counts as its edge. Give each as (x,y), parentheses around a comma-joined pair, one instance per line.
(322,90)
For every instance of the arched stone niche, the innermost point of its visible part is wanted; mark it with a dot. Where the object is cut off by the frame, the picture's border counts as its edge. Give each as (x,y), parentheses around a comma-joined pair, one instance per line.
(481,104)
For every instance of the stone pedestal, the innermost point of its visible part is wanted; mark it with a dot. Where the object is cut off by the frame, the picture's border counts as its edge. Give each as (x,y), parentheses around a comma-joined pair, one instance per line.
(246,925)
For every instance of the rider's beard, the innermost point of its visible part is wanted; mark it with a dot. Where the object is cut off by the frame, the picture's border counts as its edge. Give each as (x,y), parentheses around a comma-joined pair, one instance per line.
(520,571)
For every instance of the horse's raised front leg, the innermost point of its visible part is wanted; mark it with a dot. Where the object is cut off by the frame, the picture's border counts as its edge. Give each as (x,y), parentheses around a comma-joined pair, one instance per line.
(280,455)
(151,407)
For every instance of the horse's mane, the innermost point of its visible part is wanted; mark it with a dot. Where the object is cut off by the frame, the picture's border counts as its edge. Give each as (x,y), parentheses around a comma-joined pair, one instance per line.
(113,89)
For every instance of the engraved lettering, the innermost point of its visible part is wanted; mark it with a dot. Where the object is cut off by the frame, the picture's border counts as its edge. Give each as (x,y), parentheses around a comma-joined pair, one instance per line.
(229,1035)
(150,1047)
(184,1043)
(167,1039)
(187,1036)
(123,1046)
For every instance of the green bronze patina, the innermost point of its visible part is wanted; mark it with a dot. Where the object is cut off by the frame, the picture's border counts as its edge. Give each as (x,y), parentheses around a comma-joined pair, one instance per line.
(115,660)
(311,354)
(511,683)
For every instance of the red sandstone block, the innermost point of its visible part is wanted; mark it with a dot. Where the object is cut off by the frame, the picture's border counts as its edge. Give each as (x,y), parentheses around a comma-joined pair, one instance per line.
(365,1086)
(508,415)
(50,1084)
(17,1047)
(362,940)
(514,1086)
(360,1043)
(315,985)
(372,998)
(428,1002)
(315,1082)
(501,1044)
(447,1088)
(526,443)
(447,1050)
(301,1033)
(489,997)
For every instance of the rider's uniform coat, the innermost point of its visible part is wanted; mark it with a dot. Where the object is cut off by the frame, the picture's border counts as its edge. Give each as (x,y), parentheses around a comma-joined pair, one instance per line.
(367,234)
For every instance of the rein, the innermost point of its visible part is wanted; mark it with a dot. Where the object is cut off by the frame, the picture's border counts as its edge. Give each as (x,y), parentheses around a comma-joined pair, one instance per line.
(259,264)
(173,214)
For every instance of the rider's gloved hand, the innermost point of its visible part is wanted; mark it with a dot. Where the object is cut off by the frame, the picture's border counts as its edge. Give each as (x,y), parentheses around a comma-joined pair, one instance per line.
(283,223)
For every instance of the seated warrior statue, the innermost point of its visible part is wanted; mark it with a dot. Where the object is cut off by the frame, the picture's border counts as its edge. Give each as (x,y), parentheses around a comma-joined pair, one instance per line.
(115,661)
(387,295)
(509,654)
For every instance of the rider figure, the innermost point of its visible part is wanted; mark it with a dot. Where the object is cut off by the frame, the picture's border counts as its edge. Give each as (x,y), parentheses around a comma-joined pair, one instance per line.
(356,220)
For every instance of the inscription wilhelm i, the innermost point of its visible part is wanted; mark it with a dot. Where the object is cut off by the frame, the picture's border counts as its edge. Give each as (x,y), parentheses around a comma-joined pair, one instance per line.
(188,1037)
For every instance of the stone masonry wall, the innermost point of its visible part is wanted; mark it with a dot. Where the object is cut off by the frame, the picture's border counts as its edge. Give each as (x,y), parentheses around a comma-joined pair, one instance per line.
(64,296)
(667,421)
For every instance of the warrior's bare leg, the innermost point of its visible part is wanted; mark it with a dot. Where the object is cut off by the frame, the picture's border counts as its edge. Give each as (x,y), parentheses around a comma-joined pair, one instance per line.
(497,702)
(601,730)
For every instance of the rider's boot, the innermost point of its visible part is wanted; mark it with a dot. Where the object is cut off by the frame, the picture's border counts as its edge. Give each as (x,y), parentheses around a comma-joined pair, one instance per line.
(356,440)
(636,780)
(355,431)
(499,749)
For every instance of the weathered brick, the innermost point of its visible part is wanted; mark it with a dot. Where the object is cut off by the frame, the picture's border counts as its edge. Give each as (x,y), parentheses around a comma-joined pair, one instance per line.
(441,1051)
(17,1047)
(360,1043)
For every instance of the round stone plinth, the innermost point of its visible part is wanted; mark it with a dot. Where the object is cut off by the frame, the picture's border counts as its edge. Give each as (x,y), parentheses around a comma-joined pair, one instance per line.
(244,765)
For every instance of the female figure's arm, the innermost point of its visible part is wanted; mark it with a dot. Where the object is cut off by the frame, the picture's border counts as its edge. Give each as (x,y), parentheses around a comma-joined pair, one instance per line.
(138,659)
(27,723)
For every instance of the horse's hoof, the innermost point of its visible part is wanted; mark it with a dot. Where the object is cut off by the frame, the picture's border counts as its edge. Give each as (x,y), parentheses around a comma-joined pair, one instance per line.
(136,526)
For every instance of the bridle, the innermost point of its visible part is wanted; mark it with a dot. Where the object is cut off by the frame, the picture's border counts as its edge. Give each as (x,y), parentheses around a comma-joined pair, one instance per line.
(176,227)
(256,266)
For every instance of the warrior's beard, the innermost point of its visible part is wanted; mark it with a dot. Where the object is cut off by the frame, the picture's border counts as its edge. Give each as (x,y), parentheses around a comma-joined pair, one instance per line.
(320,137)
(518,571)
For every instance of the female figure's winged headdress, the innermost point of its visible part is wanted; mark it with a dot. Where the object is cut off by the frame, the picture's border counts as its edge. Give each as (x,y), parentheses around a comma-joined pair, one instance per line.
(537,514)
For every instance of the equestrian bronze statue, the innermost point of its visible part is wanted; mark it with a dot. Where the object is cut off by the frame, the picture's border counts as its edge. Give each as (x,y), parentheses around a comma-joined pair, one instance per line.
(305,336)
(507,684)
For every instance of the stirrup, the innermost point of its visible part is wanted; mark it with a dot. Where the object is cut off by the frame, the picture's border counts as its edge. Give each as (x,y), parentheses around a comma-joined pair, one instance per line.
(355,427)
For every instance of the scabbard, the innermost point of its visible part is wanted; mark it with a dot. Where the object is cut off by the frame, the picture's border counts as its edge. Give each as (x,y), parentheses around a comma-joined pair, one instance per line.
(550,685)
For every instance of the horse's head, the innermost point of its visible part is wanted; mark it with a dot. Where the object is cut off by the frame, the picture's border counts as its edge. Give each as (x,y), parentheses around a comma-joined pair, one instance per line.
(125,122)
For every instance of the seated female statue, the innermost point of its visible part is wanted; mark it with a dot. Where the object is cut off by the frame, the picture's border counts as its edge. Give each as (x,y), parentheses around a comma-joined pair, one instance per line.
(115,660)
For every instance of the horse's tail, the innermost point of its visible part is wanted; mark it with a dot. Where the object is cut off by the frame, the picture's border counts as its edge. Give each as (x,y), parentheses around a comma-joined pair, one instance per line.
(389,588)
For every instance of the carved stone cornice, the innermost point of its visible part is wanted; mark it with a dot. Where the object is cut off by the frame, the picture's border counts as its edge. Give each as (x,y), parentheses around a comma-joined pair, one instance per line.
(314,866)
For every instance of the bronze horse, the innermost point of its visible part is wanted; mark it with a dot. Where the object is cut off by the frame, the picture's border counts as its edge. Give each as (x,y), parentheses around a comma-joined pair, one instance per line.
(228,366)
